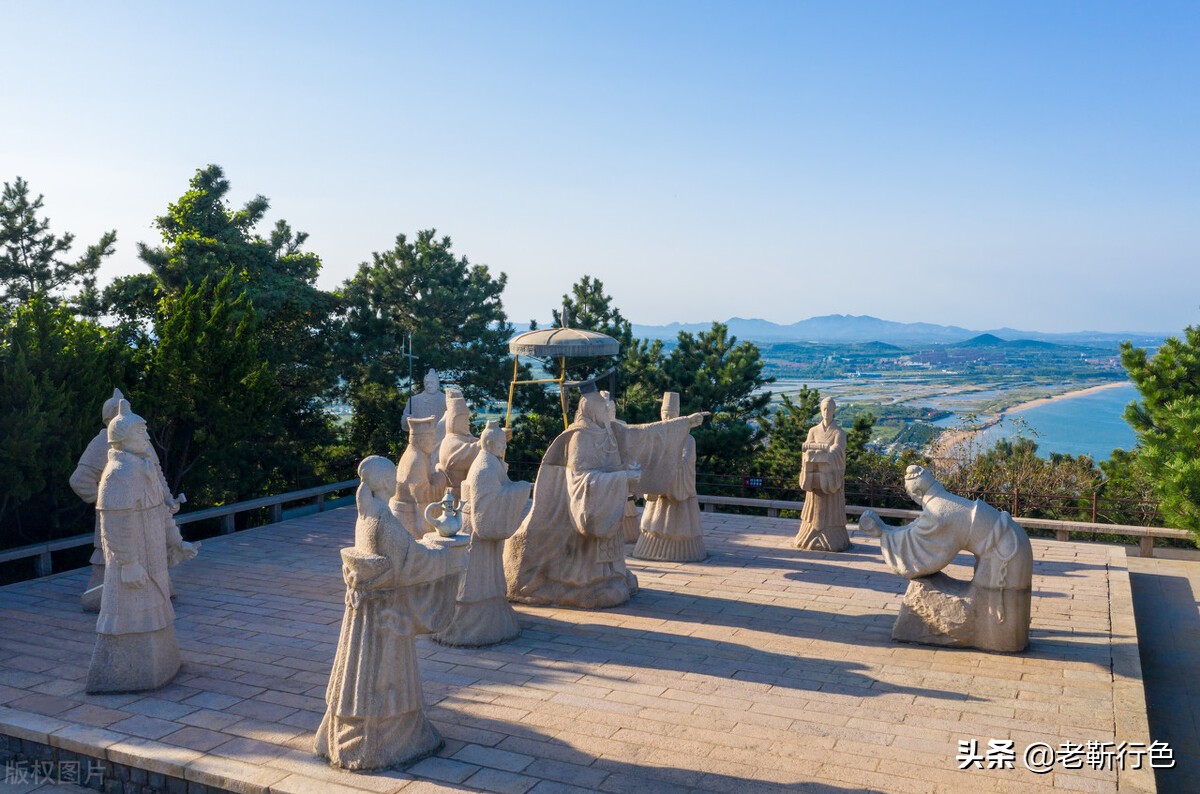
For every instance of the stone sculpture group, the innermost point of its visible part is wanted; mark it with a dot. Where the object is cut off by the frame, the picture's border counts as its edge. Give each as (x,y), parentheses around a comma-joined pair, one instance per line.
(564,548)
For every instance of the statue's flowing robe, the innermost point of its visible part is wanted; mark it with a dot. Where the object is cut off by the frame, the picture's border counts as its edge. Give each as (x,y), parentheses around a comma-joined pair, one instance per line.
(569,550)
(670,526)
(135,527)
(396,588)
(995,608)
(85,482)
(823,478)
(493,507)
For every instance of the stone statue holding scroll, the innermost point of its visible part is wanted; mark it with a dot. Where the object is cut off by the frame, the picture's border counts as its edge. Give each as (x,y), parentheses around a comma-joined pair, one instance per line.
(459,448)
(396,588)
(569,549)
(135,633)
(670,526)
(85,482)
(990,612)
(493,506)
(823,478)
(418,481)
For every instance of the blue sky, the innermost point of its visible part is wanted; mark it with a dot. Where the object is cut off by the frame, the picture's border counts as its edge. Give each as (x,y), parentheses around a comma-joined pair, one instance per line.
(1034,165)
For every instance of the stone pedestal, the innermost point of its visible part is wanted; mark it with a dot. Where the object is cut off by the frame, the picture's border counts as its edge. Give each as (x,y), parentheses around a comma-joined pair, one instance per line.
(133,662)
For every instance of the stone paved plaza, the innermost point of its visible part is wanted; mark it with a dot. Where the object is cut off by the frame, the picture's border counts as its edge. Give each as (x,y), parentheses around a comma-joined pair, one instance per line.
(760,669)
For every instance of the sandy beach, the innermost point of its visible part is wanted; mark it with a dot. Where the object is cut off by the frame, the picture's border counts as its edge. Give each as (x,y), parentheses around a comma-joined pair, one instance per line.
(950,440)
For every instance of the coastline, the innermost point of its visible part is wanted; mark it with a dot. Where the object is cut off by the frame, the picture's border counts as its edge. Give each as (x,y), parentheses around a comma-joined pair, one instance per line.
(947,443)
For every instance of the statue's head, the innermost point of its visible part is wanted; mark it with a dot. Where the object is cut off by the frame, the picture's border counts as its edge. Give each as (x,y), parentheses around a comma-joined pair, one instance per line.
(423,433)
(593,406)
(109,409)
(918,481)
(458,415)
(493,439)
(127,430)
(828,409)
(670,405)
(431,381)
(378,473)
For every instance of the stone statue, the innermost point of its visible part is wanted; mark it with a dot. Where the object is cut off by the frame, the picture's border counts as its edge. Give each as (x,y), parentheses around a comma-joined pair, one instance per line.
(493,507)
(823,478)
(418,481)
(458,448)
(991,612)
(430,401)
(396,588)
(569,549)
(135,634)
(670,528)
(85,482)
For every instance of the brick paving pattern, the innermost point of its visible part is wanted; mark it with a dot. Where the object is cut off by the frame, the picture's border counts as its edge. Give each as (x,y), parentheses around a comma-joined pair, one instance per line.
(761,669)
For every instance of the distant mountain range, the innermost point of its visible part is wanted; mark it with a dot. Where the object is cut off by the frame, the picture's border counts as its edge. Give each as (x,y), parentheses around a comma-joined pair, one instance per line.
(864,328)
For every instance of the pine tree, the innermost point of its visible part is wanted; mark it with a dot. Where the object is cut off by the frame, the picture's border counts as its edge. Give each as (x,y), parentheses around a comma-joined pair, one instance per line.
(1167,421)
(452,312)
(32,259)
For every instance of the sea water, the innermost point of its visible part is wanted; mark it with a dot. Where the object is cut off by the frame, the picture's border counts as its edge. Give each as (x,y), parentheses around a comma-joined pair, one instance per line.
(1088,424)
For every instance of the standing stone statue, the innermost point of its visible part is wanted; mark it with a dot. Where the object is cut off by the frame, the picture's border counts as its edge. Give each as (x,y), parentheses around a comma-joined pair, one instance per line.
(396,588)
(135,634)
(670,528)
(569,549)
(431,401)
(492,509)
(823,478)
(458,448)
(992,611)
(418,481)
(85,482)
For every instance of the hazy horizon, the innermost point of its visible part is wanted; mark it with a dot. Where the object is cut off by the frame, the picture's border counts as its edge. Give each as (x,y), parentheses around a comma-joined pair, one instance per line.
(984,165)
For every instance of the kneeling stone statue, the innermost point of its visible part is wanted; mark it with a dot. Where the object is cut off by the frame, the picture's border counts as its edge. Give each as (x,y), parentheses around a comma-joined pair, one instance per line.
(992,611)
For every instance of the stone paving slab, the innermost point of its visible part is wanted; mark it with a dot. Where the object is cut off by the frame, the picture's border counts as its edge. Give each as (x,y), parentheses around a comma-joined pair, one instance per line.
(761,669)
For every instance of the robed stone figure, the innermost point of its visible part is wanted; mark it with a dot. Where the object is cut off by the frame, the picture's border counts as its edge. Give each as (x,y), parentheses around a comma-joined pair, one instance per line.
(569,551)
(823,478)
(396,588)
(492,508)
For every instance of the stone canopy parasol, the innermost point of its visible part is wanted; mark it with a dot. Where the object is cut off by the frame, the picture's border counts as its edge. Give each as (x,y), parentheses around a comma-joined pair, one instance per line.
(562,343)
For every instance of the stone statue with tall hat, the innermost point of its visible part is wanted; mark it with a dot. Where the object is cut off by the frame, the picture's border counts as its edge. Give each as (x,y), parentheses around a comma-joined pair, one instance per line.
(823,478)
(670,528)
(135,635)
(569,550)
(992,610)
(396,588)
(458,448)
(493,506)
(85,482)
(419,481)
